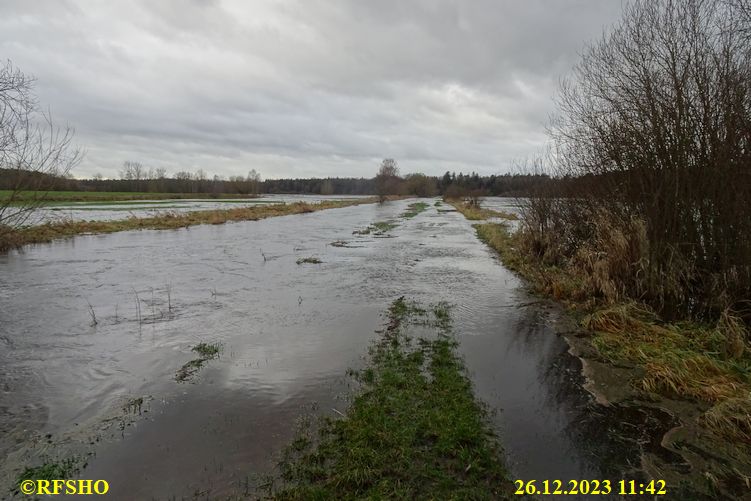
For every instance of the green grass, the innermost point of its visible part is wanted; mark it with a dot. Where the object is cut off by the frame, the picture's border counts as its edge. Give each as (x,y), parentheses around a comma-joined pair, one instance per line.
(499,238)
(309,260)
(378,228)
(207,350)
(63,469)
(414,209)
(414,431)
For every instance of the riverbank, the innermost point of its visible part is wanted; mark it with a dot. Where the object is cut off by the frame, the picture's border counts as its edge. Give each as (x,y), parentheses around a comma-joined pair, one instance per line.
(414,430)
(52,231)
(682,367)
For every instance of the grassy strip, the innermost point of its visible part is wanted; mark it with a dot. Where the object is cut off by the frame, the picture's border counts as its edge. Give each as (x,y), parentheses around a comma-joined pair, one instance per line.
(52,231)
(87,196)
(475,213)
(414,209)
(682,360)
(415,430)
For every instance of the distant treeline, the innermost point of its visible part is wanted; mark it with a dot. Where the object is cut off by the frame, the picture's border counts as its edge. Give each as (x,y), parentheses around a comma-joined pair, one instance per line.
(452,184)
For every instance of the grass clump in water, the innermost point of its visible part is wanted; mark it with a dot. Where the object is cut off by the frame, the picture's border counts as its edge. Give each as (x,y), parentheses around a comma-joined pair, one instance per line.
(414,431)
(206,352)
(309,260)
(414,209)
(378,228)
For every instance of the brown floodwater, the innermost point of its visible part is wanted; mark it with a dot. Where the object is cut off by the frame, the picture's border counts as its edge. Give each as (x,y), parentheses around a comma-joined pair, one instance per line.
(89,326)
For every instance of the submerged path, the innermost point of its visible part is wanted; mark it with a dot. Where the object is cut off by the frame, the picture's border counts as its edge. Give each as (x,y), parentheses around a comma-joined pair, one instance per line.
(96,330)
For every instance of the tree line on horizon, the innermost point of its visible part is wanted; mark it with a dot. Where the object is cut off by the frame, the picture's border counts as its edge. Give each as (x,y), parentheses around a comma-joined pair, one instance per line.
(134,177)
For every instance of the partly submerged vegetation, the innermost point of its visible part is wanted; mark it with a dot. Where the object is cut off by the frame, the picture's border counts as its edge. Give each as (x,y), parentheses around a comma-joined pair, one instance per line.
(414,209)
(309,260)
(651,246)
(379,228)
(686,360)
(52,231)
(474,212)
(51,470)
(413,431)
(206,352)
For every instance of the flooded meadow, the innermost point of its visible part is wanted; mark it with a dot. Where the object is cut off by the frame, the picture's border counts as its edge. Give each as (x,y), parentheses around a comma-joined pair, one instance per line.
(178,364)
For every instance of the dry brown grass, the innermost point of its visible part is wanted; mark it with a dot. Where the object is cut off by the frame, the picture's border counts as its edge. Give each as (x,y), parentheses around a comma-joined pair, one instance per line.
(684,360)
(53,231)
(730,419)
(475,213)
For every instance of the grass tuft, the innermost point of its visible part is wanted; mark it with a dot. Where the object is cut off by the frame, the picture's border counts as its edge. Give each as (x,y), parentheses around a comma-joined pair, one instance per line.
(309,260)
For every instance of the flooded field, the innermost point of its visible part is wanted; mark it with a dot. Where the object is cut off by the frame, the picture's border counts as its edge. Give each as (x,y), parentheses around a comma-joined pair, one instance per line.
(110,211)
(502,204)
(96,334)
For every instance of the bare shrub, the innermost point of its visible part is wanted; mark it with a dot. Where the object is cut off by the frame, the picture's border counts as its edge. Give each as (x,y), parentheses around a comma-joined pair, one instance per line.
(655,123)
(34,153)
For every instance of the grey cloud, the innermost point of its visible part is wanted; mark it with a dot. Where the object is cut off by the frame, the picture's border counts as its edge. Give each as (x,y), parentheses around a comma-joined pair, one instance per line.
(301,88)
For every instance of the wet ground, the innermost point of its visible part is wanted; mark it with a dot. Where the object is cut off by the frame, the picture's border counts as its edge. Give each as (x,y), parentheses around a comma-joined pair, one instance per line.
(91,325)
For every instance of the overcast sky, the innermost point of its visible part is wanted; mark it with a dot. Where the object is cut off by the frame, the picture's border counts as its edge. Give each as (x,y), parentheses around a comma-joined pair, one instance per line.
(301,88)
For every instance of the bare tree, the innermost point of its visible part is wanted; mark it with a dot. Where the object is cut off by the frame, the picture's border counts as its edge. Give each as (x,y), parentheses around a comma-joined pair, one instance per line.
(387,179)
(34,153)
(254,182)
(135,172)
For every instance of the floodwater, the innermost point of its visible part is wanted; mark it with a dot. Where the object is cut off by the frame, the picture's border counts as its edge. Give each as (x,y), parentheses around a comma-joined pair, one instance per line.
(109,211)
(75,359)
(504,204)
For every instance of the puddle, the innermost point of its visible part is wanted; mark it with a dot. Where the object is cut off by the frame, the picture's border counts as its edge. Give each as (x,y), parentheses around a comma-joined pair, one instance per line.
(288,334)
